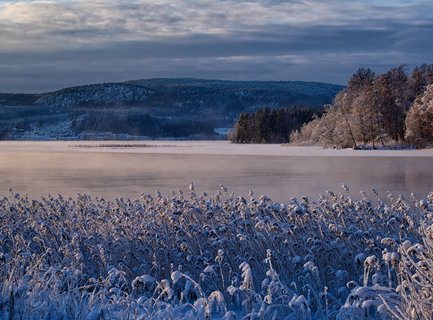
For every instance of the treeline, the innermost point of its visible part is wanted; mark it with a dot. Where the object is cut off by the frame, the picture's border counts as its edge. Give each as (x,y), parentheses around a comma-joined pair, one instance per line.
(138,124)
(376,110)
(40,122)
(270,125)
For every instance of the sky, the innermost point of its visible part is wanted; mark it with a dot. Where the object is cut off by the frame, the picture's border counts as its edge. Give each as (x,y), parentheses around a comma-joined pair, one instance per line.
(47,45)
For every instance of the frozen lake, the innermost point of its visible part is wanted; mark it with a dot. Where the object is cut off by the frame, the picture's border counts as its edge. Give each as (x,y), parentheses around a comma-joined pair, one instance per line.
(109,169)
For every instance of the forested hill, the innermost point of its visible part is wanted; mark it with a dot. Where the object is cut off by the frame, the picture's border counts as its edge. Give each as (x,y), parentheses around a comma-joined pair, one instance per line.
(154,108)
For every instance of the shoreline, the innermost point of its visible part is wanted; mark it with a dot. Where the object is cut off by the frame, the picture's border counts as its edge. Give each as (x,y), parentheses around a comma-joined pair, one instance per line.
(201,147)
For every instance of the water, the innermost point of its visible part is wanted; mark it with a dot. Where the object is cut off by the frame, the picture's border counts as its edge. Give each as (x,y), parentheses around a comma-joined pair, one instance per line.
(112,174)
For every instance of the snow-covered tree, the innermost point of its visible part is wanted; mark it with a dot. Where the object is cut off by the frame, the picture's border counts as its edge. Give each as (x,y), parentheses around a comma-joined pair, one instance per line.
(372,111)
(419,121)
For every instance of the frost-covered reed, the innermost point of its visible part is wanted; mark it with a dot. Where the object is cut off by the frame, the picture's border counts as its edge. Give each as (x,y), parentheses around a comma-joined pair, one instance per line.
(194,256)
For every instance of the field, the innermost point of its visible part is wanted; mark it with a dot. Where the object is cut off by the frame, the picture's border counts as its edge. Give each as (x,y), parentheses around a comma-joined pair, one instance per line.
(218,255)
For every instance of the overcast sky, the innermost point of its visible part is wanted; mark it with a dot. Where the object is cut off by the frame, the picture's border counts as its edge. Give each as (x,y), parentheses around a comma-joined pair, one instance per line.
(48,45)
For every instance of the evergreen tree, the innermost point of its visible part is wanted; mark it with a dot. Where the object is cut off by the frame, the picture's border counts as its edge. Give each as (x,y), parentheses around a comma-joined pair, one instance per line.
(269,125)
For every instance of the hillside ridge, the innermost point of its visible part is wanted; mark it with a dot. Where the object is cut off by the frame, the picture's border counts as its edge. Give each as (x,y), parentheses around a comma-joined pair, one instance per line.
(150,108)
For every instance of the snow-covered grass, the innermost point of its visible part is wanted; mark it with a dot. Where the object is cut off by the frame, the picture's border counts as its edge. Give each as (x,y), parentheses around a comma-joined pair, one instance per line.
(221,256)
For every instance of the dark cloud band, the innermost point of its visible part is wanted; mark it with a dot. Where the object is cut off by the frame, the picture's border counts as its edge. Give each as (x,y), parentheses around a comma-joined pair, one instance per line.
(70,43)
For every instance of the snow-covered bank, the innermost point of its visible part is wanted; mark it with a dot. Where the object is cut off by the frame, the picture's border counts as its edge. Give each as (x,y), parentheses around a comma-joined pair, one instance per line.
(201,148)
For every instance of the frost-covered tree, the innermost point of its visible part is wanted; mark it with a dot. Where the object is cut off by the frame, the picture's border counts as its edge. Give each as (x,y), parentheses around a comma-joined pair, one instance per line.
(419,121)
(368,117)
(394,101)
(362,78)
(371,110)
(344,126)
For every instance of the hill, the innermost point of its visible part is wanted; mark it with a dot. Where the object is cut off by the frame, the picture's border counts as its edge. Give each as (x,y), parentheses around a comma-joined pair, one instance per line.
(153,108)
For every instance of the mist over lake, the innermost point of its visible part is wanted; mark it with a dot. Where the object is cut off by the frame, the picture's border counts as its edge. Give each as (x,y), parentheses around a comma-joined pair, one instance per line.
(281,172)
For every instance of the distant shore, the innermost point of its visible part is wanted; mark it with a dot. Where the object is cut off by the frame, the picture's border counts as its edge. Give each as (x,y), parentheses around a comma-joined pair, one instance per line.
(201,148)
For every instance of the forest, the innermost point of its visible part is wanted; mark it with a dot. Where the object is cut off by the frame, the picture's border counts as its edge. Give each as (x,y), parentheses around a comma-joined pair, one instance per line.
(270,125)
(394,109)
(376,111)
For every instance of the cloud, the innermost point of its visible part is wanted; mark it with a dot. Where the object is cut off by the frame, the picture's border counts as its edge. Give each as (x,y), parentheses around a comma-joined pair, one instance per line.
(63,43)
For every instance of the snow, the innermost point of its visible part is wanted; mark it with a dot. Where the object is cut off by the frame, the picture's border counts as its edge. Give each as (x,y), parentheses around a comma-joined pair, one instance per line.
(222,131)
(203,148)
